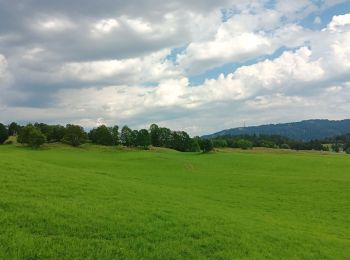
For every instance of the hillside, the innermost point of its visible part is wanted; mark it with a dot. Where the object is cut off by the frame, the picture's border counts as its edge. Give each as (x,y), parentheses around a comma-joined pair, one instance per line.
(304,130)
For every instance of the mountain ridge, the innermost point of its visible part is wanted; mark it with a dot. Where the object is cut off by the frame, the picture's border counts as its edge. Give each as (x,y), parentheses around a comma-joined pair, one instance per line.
(305,130)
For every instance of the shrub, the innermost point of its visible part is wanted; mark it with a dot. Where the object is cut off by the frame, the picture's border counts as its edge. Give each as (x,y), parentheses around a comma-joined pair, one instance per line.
(348,150)
(285,146)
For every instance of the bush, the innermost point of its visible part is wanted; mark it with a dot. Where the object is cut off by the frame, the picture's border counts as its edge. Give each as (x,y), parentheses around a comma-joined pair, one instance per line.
(285,146)
(348,150)
(8,142)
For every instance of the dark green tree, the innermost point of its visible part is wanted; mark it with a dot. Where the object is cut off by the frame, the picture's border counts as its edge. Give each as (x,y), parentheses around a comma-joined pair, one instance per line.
(13,129)
(126,136)
(134,135)
(181,141)
(195,145)
(165,137)
(3,133)
(74,135)
(115,134)
(101,135)
(206,145)
(155,135)
(57,133)
(143,138)
(31,136)
(45,129)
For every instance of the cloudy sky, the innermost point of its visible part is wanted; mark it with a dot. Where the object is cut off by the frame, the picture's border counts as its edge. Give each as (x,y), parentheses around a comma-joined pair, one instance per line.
(199,66)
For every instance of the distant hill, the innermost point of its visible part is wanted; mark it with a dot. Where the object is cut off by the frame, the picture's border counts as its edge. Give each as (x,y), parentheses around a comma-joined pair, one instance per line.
(304,130)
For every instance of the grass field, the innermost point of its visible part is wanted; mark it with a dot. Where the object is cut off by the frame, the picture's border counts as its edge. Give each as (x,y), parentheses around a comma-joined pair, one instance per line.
(100,203)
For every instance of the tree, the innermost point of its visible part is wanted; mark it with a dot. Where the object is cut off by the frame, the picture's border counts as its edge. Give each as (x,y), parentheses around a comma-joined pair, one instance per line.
(3,133)
(53,133)
(45,129)
(206,145)
(75,135)
(134,135)
(126,136)
(31,136)
(115,134)
(154,135)
(143,138)
(23,135)
(165,137)
(36,138)
(194,145)
(13,129)
(181,141)
(101,135)
(57,133)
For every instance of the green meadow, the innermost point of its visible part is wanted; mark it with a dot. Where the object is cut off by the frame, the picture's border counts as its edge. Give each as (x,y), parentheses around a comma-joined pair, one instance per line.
(106,203)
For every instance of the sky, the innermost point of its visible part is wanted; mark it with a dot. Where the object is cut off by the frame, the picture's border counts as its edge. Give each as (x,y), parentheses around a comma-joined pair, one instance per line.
(199,66)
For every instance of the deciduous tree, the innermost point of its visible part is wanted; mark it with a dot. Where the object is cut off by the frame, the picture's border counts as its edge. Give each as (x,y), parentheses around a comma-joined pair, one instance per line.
(75,135)
(3,133)
(31,136)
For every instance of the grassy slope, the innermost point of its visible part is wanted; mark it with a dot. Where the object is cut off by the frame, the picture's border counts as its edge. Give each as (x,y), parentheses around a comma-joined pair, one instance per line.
(99,203)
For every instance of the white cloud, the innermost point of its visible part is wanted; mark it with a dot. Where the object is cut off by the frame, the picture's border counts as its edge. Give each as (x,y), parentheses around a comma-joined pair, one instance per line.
(339,23)
(53,24)
(150,68)
(106,25)
(138,25)
(200,57)
(239,39)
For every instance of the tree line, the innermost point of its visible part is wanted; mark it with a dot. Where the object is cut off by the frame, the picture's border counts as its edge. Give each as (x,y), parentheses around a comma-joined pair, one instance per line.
(339,143)
(336,144)
(35,135)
